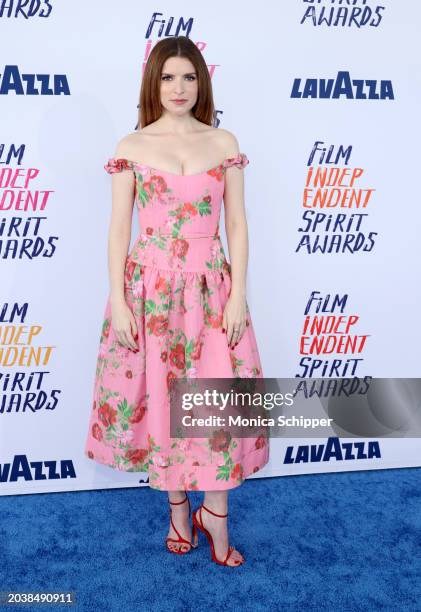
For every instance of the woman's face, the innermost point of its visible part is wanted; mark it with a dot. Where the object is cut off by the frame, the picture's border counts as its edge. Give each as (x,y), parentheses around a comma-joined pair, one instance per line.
(178,82)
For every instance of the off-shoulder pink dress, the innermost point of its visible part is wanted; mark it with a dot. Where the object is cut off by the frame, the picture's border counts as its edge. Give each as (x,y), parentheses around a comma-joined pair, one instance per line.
(177,282)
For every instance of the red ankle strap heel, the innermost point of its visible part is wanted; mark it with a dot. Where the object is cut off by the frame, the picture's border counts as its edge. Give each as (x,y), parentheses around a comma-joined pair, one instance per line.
(198,524)
(181,540)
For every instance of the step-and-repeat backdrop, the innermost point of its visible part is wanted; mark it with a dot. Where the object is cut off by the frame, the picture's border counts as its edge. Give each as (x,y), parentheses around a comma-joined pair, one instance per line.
(323,97)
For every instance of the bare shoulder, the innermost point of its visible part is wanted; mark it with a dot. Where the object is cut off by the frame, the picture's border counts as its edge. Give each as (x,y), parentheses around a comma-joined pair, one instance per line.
(131,145)
(229,142)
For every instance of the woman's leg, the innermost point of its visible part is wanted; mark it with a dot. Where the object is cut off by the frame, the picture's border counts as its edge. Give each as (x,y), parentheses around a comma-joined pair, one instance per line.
(217,501)
(180,517)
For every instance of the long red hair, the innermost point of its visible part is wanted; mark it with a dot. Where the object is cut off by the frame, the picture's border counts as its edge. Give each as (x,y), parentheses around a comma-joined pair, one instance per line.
(150,108)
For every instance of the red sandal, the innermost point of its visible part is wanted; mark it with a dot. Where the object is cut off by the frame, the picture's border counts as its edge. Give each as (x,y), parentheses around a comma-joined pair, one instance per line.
(181,540)
(199,525)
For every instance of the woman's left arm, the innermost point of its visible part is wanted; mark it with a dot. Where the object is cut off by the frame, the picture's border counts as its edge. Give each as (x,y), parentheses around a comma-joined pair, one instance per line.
(235,312)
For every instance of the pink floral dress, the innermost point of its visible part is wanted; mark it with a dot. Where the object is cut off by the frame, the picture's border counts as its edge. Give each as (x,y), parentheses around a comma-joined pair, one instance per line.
(177,282)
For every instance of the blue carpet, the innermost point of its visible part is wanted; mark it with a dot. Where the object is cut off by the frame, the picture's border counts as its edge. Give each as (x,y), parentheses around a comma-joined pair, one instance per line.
(347,541)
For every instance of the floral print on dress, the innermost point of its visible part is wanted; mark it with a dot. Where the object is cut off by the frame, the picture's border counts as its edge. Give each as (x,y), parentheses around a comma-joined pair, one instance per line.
(176,282)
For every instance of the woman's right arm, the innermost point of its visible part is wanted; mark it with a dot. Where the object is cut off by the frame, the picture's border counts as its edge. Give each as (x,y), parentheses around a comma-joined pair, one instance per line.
(119,235)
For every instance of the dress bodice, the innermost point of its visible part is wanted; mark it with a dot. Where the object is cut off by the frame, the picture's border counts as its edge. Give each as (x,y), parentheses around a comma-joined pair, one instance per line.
(182,206)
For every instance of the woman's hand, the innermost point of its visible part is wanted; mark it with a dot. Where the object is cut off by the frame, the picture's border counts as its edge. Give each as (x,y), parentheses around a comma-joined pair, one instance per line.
(124,324)
(234,319)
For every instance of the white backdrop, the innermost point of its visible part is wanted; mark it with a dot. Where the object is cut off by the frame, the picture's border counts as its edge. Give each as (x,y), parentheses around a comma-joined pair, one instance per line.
(54,266)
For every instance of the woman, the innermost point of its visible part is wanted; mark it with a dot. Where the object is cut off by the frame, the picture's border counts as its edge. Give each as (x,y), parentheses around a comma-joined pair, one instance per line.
(176,307)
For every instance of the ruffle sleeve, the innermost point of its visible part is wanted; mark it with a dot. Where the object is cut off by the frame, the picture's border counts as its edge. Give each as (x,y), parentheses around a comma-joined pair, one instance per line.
(118,165)
(239,160)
